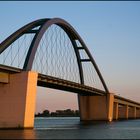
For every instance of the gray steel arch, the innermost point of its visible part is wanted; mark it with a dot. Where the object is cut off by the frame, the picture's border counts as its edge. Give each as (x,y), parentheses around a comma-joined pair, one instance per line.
(44,25)
(19,33)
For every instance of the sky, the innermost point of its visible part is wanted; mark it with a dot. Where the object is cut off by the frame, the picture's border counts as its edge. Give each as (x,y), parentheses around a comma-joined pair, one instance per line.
(111,31)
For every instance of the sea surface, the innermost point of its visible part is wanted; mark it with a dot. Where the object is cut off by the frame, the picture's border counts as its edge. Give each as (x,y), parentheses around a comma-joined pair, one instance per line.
(72,128)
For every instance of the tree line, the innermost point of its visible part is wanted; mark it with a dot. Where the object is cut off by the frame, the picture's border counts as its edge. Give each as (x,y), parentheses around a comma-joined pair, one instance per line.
(59,113)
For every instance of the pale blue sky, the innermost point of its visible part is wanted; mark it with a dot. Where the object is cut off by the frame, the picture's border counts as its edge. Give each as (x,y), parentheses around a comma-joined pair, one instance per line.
(111,31)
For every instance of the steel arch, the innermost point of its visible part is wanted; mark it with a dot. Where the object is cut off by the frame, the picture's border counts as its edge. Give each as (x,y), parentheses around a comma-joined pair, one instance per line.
(44,25)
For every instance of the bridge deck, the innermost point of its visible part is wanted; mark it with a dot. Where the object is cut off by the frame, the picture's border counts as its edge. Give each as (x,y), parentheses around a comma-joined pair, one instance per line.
(57,83)
(125,101)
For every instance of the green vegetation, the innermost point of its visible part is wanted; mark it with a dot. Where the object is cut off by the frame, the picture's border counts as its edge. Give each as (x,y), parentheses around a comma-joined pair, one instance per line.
(59,113)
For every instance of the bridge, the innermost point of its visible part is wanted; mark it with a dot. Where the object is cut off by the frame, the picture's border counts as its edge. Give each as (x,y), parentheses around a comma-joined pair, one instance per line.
(50,53)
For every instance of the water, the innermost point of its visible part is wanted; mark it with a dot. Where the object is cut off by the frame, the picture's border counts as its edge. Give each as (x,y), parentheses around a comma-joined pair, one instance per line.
(71,128)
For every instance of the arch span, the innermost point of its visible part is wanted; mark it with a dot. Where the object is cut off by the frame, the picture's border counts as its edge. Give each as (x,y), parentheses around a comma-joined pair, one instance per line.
(44,25)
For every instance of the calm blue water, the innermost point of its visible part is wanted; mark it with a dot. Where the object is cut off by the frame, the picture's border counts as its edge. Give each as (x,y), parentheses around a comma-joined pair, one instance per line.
(71,128)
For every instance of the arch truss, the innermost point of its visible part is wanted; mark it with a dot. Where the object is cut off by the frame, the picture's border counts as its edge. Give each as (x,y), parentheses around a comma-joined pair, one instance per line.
(52,47)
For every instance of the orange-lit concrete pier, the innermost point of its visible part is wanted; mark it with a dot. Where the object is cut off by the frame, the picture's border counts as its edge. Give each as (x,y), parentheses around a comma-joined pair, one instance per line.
(108,108)
(125,108)
(17,99)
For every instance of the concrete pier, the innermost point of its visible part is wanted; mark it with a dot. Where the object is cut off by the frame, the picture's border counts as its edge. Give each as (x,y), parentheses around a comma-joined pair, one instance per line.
(123,112)
(137,112)
(107,108)
(132,112)
(96,107)
(115,111)
(17,100)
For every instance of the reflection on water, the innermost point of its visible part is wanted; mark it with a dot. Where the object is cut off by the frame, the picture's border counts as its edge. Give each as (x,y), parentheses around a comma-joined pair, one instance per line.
(71,128)
(17,134)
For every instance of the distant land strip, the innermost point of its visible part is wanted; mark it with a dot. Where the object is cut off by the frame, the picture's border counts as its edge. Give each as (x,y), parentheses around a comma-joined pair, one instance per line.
(59,113)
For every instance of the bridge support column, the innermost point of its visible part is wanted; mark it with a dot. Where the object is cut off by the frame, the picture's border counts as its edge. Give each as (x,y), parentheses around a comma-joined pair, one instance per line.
(137,112)
(132,113)
(115,111)
(123,112)
(17,100)
(96,107)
